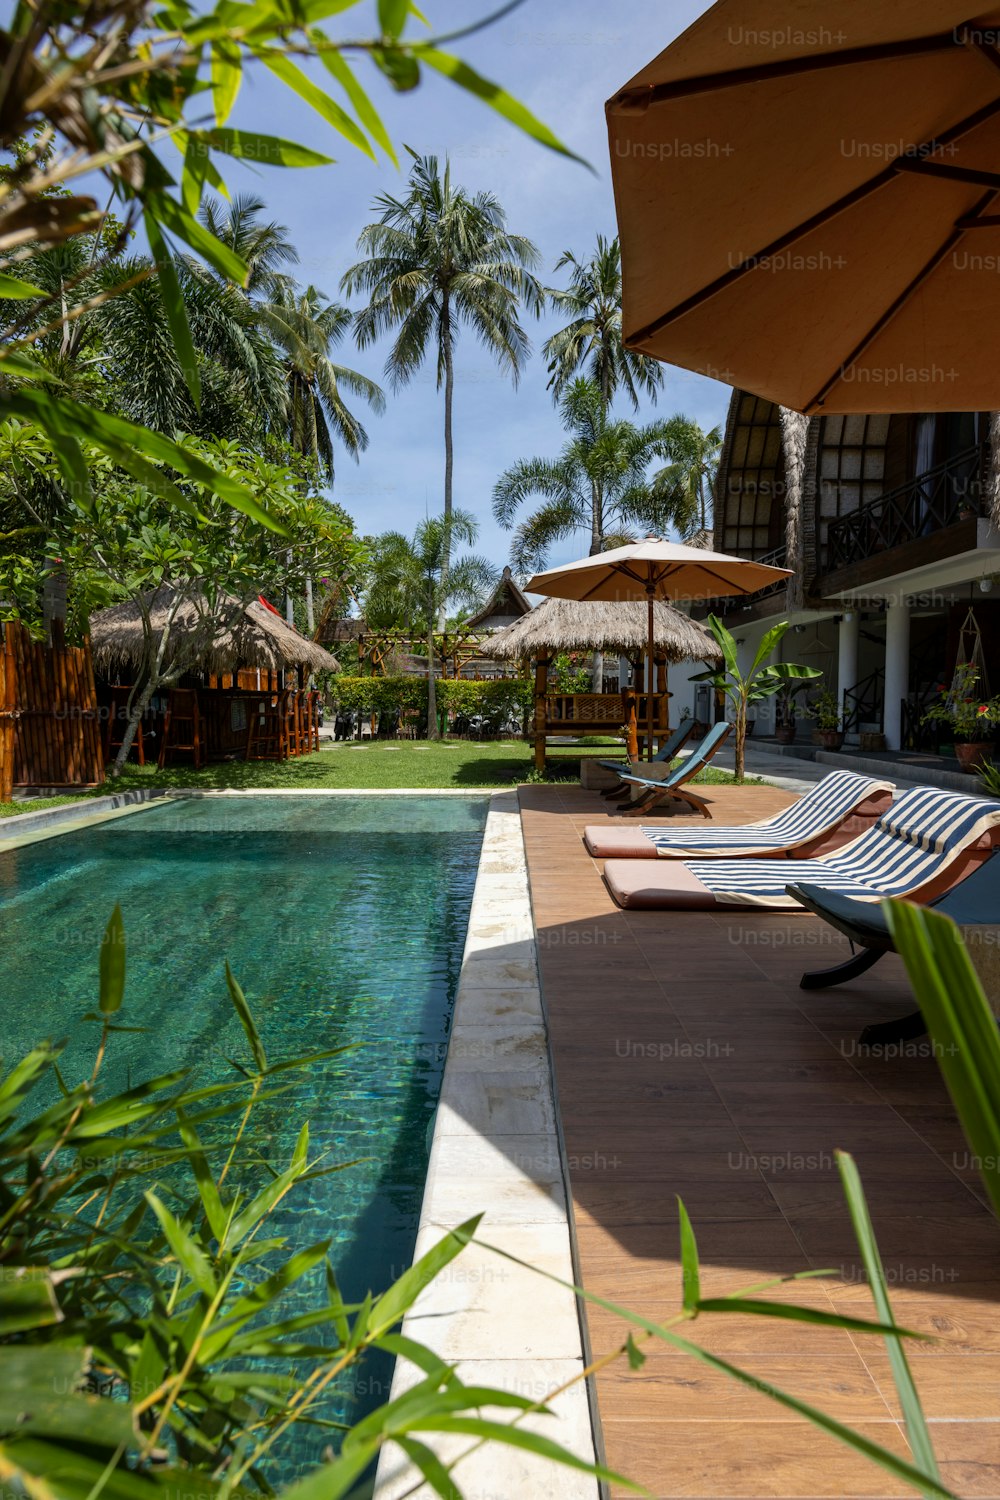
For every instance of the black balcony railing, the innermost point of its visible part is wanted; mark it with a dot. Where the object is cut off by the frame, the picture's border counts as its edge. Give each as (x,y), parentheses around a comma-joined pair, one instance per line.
(864,703)
(732,603)
(927,503)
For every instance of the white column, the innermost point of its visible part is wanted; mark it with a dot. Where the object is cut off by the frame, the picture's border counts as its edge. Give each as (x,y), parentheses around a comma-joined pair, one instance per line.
(847,653)
(897,669)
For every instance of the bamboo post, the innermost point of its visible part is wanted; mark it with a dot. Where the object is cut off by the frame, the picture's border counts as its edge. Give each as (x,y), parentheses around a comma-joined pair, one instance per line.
(541,688)
(662,700)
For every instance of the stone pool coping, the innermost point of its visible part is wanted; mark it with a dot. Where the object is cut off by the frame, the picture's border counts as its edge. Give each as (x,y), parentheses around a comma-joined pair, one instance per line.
(496,1148)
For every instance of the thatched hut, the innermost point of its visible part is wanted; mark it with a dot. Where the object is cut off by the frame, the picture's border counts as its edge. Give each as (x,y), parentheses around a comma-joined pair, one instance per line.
(218,641)
(163,641)
(558,625)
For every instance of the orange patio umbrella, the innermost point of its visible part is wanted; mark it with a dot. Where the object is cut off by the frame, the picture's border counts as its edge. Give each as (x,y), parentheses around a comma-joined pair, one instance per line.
(653,570)
(808,201)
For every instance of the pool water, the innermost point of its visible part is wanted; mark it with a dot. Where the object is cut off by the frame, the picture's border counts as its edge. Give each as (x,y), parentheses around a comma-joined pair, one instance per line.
(344,920)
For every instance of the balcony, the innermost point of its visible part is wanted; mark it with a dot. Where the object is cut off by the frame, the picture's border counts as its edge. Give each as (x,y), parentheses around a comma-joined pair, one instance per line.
(756,604)
(927,504)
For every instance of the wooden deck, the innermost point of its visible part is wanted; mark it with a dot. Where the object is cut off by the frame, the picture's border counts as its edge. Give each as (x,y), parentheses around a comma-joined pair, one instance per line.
(688,1061)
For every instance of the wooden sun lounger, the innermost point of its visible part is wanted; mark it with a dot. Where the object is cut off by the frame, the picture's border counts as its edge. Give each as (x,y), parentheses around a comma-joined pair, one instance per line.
(672,786)
(666,752)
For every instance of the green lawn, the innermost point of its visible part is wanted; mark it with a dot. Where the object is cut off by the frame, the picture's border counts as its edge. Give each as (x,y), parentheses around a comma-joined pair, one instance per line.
(390,764)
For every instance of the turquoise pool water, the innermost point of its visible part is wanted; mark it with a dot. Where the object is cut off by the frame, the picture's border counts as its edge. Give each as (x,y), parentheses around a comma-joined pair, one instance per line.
(343,918)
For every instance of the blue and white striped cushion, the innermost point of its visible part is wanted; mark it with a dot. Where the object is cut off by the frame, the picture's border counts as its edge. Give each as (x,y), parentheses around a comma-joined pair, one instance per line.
(912,842)
(822,808)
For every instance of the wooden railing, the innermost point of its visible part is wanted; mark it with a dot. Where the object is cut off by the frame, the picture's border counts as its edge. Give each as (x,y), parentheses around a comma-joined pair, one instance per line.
(927,503)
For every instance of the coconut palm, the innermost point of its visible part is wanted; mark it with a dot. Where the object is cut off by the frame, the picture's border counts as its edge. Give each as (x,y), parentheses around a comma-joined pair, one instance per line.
(305,327)
(599,483)
(435,260)
(687,483)
(413,580)
(592,340)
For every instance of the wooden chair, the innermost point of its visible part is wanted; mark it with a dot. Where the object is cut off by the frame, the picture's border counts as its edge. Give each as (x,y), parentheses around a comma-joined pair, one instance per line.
(115,732)
(181,727)
(268,729)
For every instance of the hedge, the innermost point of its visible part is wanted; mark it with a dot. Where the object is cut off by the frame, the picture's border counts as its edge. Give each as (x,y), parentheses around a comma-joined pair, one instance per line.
(390,695)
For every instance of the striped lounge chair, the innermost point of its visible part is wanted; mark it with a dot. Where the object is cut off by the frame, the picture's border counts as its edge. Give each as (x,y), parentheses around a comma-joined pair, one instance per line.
(832,812)
(927,841)
(666,752)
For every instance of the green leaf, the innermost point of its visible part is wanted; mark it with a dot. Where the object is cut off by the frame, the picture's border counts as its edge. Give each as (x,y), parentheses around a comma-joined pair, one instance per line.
(188,1255)
(961,1025)
(112,964)
(530,1442)
(270,150)
(431,1468)
(242,1009)
(208,1191)
(334,62)
(917,1434)
(726,643)
(173,305)
(496,97)
(265,1200)
(16,290)
(392,17)
(201,240)
(227,75)
(40,1394)
(636,1358)
(27,1300)
(282,67)
(793,1313)
(690,1273)
(399,1298)
(769,642)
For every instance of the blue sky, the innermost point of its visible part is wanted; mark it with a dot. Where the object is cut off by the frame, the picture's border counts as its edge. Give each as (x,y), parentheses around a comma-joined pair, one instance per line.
(561,59)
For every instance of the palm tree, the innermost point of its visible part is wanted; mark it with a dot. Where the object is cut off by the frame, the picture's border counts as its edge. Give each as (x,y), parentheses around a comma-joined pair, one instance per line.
(599,482)
(687,483)
(413,580)
(303,327)
(435,260)
(592,340)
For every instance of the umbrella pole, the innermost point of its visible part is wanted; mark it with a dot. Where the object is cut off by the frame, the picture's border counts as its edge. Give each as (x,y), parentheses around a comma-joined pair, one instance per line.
(650,678)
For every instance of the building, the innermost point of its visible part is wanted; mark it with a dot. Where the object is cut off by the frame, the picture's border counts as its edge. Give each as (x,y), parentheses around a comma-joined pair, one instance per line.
(891,525)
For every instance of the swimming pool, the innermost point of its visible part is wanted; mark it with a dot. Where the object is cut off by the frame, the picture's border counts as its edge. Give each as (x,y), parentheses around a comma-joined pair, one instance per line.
(344,919)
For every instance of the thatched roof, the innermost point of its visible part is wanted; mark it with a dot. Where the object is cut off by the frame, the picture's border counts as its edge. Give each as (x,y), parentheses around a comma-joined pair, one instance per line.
(567,625)
(237,635)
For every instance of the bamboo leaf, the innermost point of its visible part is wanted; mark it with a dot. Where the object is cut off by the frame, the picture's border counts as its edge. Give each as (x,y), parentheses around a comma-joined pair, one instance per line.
(496,97)
(173,306)
(431,1468)
(960,1023)
(392,17)
(242,1009)
(270,150)
(227,75)
(917,1434)
(187,1253)
(112,964)
(201,240)
(282,67)
(690,1274)
(366,112)
(207,1188)
(530,1442)
(391,1306)
(16,290)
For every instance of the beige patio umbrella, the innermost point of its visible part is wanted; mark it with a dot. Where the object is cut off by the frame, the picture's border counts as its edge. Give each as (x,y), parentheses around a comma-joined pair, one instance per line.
(808,201)
(653,570)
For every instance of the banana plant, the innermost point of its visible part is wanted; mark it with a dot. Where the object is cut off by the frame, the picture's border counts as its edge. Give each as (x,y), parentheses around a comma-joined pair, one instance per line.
(761,680)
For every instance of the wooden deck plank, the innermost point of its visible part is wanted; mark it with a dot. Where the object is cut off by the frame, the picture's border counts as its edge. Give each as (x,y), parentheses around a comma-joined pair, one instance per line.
(687,1061)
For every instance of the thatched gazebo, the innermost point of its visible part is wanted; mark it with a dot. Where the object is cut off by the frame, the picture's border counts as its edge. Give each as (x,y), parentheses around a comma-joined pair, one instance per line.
(220,641)
(162,638)
(558,625)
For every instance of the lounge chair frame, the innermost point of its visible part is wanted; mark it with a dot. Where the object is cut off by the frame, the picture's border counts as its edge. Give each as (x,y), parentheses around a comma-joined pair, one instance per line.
(673,785)
(667,751)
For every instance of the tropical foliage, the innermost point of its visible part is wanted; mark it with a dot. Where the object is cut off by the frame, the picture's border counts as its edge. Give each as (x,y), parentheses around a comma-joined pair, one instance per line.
(591,342)
(437,260)
(599,484)
(762,679)
(688,481)
(113,103)
(413,580)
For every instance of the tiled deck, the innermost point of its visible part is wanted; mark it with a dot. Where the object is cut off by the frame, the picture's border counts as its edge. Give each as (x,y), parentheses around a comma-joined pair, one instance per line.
(689,1062)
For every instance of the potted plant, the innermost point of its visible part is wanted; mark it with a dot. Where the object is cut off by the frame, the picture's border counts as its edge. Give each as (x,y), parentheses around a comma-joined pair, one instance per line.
(971,718)
(825,709)
(784,709)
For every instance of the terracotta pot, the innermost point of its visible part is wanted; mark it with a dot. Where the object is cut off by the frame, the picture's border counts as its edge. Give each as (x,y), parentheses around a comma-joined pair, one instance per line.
(785,734)
(832,739)
(972,755)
